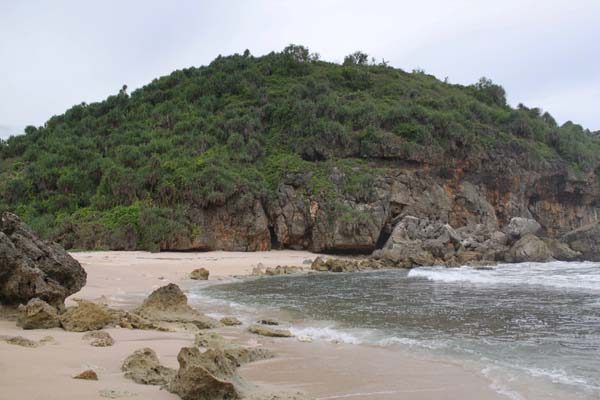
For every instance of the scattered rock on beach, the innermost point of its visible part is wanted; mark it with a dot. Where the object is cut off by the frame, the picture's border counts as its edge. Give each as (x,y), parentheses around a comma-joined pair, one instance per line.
(169,304)
(202,376)
(230,321)
(19,341)
(271,332)
(88,375)
(115,394)
(144,367)
(86,316)
(99,339)
(37,314)
(33,268)
(209,340)
(200,274)
(268,321)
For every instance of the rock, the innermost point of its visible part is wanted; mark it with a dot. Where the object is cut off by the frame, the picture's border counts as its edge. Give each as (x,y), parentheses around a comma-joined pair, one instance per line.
(283,270)
(268,321)
(244,354)
(169,304)
(561,251)
(209,340)
(304,338)
(202,376)
(99,339)
(19,341)
(37,314)
(519,227)
(200,274)
(115,394)
(585,240)
(86,316)
(230,321)
(33,268)
(87,375)
(529,248)
(266,331)
(144,367)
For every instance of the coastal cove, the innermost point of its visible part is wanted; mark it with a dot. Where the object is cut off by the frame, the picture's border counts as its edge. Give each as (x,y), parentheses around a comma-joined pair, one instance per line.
(126,278)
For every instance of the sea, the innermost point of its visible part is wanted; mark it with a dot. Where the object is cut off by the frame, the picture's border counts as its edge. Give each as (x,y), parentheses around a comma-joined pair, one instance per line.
(517,324)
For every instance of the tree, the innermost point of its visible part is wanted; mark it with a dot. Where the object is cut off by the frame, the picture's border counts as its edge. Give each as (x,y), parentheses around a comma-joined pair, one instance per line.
(356,58)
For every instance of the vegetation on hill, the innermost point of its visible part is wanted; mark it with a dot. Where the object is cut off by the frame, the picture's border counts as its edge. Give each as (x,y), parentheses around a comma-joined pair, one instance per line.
(201,135)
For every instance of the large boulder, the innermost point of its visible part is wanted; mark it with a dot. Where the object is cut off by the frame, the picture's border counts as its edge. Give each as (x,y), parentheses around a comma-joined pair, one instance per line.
(204,376)
(143,367)
(200,274)
(519,227)
(169,304)
(529,248)
(37,314)
(585,240)
(33,268)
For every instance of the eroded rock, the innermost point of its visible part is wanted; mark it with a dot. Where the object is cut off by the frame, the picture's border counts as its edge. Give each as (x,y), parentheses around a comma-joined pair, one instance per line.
(200,274)
(144,367)
(99,339)
(264,330)
(529,248)
(37,314)
(88,375)
(230,321)
(86,316)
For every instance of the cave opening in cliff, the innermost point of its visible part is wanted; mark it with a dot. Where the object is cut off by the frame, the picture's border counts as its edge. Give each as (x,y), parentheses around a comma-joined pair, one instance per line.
(275,244)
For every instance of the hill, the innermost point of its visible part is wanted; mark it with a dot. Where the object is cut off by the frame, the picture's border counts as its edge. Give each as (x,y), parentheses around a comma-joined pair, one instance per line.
(286,150)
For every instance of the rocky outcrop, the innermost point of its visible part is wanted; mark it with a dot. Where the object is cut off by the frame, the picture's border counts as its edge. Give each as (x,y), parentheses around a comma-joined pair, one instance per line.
(204,376)
(86,316)
(169,304)
(585,240)
(200,274)
(32,268)
(143,367)
(37,314)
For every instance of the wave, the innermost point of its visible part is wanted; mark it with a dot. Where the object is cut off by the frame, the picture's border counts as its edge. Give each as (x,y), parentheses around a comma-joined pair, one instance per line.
(561,275)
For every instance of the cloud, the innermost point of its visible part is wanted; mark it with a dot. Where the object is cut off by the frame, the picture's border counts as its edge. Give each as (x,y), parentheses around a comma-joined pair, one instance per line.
(59,53)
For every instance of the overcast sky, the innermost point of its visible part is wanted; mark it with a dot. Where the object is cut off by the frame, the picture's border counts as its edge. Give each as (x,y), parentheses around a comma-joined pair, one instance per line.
(54,54)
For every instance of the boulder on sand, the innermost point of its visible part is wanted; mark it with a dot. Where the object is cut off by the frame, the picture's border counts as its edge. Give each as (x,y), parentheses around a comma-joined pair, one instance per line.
(32,268)
(169,304)
(143,367)
(86,316)
(88,375)
(99,339)
(37,314)
(200,274)
(203,376)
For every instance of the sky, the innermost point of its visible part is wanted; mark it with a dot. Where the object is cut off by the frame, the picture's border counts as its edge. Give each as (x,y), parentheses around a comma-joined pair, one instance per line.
(54,54)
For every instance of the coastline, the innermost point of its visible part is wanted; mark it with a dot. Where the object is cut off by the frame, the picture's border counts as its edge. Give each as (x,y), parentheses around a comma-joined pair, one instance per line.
(320,369)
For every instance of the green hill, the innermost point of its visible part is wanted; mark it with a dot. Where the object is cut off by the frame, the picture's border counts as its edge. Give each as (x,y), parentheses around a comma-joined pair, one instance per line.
(136,164)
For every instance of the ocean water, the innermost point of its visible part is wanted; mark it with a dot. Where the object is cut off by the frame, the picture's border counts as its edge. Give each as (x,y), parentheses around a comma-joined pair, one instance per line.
(521,323)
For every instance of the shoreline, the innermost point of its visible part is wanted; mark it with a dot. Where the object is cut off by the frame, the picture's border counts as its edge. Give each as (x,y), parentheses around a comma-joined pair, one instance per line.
(321,369)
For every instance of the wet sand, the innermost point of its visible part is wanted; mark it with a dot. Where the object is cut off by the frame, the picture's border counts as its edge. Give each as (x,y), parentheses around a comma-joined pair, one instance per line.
(321,369)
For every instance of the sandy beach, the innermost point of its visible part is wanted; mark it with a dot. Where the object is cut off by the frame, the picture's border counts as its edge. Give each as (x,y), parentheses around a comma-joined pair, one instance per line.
(322,370)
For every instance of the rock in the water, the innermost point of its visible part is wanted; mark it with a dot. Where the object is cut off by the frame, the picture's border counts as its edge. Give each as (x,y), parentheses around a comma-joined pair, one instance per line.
(37,314)
(203,376)
(99,339)
(200,274)
(33,268)
(144,367)
(585,240)
(230,321)
(169,304)
(86,316)
(519,227)
(529,248)
(88,375)
(266,331)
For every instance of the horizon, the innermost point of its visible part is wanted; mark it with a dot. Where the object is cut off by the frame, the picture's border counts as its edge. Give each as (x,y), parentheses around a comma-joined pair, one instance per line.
(543,57)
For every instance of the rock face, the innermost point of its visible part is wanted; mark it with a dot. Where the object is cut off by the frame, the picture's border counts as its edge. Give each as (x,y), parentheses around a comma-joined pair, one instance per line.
(86,316)
(169,304)
(32,268)
(37,314)
(143,367)
(203,376)
(585,240)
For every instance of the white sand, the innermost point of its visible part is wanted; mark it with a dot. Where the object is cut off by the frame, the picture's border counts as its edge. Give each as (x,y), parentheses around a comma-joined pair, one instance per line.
(324,370)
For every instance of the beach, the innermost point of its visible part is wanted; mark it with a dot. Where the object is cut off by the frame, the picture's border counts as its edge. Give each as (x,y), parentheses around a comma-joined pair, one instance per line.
(321,369)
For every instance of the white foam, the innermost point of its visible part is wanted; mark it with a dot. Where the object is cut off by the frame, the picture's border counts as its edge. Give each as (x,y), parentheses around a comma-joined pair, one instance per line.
(329,334)
(562,275)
